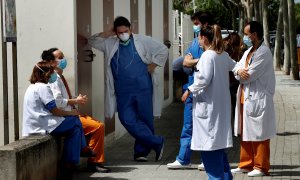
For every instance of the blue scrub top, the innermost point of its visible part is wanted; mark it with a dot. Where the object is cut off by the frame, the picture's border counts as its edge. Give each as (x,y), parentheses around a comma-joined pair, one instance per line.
(129,71)
(196,52)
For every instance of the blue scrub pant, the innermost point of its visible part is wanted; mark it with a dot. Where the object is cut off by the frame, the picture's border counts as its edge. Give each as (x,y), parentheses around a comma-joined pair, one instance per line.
(216,165)
(74,141)
(186,134)
(135,112)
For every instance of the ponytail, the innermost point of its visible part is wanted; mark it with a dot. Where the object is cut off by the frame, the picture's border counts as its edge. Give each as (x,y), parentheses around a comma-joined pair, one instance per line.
(213,35)
(217,43)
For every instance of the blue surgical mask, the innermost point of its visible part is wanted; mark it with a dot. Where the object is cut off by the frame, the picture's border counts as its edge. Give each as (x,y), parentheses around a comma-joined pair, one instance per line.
(196,28)
(62,63)
(53,78)
(247,40)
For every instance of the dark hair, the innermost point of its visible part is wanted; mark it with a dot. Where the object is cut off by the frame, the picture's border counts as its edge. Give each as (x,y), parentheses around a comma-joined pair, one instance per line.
(47,55)
(203,17)
(121,21)
(232,45)
(41,72)
(256,27)
(213,35)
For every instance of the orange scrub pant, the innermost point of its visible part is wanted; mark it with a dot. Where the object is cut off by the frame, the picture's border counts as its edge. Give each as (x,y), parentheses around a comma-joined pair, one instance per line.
(95,130)
(254,154)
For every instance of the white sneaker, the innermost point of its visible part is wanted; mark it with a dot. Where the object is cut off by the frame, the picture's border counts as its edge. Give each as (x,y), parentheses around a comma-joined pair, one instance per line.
(177,165)
(239,170)
(256,173)
(201,167)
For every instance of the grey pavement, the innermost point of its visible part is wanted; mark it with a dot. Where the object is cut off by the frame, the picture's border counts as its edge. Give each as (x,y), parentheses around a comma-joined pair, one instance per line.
(285,147)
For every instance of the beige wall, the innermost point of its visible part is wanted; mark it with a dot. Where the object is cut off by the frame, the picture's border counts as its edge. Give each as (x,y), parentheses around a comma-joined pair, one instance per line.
(42,25)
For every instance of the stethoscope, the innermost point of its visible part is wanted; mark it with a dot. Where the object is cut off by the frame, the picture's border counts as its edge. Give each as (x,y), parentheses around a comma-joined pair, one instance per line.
(118,55)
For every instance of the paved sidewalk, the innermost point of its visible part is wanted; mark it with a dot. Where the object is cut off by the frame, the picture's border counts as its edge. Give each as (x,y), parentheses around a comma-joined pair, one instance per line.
(285,147)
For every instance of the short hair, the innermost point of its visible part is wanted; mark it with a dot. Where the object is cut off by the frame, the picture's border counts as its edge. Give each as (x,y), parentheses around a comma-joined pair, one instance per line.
(47,55)
(121,21)
(203,17)
(256,27)
(41,72)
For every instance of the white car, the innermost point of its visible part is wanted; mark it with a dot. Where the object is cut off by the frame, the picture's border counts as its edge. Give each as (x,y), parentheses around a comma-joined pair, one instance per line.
(226,32)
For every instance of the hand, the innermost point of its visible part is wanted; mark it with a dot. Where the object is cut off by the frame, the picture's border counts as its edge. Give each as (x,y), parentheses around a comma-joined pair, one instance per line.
(81,99)
(243,73)
(185,96)
(151,67)
(189,61)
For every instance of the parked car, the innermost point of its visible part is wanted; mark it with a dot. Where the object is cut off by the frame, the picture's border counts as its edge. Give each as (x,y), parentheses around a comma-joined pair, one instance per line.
(226,32)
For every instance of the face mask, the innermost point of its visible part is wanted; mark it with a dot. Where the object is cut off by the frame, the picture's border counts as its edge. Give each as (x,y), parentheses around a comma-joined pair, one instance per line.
(124,37)
(62,63)
(247,41)
(196,28)
(53,77)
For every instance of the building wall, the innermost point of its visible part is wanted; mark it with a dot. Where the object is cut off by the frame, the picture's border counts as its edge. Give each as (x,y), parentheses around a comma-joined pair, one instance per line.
(42,25)
(53,24)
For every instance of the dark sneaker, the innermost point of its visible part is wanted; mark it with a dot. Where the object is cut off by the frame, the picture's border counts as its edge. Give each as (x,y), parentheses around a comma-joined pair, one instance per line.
(98,168)
(160,153)
(87,152)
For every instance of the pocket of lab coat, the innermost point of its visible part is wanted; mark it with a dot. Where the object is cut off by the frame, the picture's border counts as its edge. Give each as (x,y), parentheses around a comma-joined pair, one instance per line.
(255,107)
(201,110)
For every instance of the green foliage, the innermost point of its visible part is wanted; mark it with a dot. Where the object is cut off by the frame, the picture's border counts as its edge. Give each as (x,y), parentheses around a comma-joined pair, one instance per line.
(221,14)
(297,17)
(273,7)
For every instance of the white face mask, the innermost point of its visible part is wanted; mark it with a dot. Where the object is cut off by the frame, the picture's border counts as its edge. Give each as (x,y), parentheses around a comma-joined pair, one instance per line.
(124,37)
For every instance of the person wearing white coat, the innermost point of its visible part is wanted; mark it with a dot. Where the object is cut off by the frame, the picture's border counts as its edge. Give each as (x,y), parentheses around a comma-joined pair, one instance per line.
(254,113)
(211,104)
(132,83)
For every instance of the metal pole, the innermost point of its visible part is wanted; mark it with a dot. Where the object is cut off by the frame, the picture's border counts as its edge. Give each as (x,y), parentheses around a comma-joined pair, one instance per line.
(5,81)
(15,89)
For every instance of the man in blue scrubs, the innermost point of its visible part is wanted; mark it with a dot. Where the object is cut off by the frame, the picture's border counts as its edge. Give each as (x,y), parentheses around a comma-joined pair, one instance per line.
(131,82)
(192,55)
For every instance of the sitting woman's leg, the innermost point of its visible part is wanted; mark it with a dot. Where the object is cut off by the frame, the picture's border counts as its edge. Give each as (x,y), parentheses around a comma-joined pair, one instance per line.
(74,141)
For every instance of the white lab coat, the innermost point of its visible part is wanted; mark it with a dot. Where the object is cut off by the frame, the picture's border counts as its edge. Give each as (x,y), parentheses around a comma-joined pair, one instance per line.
(258,115)
(150,51)
(211,102)
(36,118)
(60,94)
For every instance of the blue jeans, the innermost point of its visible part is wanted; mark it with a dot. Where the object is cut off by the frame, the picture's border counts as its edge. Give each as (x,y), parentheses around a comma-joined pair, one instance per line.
(71,129)
(216,165)
(135,112)
(186,134)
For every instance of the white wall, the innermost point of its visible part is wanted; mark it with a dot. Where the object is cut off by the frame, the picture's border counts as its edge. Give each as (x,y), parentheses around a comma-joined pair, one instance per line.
(122,8)
(142,17)
(42,25)
(171,37)
(158,34)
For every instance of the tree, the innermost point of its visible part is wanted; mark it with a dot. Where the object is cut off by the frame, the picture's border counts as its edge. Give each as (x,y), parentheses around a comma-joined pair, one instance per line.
(277,51)
(286,65)
(265,22)
(292,37)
